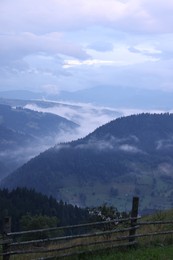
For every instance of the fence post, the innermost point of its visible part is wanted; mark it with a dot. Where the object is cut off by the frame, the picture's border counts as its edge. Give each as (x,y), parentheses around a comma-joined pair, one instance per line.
(134,215)
(6,229)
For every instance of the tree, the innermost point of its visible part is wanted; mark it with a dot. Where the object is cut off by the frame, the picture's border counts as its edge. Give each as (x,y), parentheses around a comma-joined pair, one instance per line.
(29,222)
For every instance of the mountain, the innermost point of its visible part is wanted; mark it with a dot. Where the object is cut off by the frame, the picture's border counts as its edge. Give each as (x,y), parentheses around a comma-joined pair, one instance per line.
(25,133)
(11,142)
(121,97)
(21,94)
(36,124)
(126,157)
(115,96)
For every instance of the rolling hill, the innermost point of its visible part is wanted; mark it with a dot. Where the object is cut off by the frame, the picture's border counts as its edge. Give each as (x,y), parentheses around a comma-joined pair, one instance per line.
(126,157)
(86,115)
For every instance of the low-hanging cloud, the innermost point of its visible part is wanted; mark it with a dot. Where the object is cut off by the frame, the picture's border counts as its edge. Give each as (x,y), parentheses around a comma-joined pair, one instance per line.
(87,116)
(105,144)
(110,144)
(164,144)
(100,145)
(129,148)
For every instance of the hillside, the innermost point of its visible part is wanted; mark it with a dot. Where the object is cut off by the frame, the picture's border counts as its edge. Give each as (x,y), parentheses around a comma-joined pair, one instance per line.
(126,157)
(25,133)
(33,123)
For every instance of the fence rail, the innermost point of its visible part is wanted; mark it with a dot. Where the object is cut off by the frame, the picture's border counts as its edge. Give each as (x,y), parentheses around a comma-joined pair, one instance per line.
(91,237)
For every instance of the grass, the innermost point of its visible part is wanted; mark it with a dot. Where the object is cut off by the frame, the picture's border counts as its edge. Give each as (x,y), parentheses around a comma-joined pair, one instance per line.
(150,253)
(143,253)
(152,247)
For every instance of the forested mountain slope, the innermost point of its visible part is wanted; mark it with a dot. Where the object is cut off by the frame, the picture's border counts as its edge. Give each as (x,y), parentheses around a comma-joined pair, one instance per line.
(128,156)
(24,133)
(33,123)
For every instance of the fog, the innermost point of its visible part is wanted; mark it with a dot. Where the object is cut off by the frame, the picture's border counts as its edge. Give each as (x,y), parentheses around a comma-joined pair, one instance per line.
(87,116)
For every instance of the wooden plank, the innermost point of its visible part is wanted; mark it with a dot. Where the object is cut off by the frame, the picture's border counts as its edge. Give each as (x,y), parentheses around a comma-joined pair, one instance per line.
(34,251)
(6,241)
(117,239)
(94,234)
(114,221)
(155,222)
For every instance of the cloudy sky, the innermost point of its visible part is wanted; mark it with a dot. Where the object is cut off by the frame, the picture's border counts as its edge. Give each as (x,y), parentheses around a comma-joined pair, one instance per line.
(55,45)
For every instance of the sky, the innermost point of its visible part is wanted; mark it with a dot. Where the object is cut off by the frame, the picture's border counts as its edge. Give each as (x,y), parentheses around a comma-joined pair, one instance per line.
(56,45)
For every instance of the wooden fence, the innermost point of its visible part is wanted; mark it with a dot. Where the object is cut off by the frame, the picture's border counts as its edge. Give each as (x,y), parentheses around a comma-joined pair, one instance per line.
(68,241)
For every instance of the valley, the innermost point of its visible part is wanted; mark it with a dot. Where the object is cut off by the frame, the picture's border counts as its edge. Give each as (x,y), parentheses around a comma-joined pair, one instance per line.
(128,156)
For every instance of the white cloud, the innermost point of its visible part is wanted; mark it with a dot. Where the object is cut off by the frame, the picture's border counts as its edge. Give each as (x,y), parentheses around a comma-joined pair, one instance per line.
(129,148)
(44,16)
(73,63)
(24,44)
(40,16)
(164,144)
(72,44)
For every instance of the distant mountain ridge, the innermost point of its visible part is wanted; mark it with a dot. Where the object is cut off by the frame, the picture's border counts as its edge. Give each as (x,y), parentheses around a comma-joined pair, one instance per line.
(126,157)
(21,94)
(103,95)
(122,97)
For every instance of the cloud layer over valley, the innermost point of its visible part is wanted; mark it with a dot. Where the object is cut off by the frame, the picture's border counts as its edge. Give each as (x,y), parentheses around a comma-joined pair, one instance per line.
(87,116)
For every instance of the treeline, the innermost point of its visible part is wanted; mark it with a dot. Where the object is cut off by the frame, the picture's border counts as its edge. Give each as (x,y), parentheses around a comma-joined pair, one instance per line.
(23,203)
